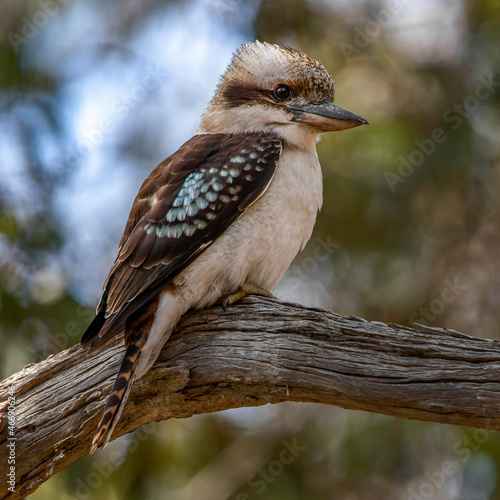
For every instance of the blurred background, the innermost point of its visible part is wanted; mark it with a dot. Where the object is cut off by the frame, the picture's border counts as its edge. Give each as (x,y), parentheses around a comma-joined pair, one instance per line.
(93,95)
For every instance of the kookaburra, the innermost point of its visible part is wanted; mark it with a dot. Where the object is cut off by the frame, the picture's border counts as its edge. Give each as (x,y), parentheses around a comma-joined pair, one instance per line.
(223,216)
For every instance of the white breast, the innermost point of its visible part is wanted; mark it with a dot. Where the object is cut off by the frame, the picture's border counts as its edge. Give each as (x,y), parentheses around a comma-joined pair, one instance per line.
(262,244)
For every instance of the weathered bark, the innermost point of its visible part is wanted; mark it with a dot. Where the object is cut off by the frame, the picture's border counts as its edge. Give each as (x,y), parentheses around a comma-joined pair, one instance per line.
(259,351)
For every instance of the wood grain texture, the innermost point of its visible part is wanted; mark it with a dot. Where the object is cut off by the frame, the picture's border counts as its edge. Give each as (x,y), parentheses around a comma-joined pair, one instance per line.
(257,352)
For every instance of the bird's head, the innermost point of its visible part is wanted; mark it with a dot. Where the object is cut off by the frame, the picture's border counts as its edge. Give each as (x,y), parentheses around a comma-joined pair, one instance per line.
(271,88)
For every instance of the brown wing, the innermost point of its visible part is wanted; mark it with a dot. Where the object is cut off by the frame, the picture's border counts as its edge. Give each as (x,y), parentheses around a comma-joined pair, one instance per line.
(186,203)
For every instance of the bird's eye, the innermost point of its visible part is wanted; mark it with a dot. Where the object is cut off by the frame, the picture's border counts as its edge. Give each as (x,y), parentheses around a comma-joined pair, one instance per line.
(282,92)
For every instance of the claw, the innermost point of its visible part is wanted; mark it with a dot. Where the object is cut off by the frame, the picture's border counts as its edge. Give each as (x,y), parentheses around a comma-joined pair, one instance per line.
(246,289)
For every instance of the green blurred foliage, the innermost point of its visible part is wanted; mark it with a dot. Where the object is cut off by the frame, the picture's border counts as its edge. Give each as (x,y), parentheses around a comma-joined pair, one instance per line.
(404,236)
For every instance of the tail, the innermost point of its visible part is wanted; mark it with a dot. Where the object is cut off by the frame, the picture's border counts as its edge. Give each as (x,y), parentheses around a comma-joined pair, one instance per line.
(144,338)
(118,396)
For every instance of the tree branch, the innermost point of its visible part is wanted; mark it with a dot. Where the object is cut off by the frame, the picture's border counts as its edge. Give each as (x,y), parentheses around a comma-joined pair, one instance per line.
(260,351)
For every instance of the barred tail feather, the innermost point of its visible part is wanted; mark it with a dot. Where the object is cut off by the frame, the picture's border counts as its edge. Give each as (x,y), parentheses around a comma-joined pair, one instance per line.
(144,338)
(117,398)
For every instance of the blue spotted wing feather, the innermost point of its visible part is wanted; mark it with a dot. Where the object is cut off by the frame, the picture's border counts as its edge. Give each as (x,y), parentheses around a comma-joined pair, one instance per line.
(185,204)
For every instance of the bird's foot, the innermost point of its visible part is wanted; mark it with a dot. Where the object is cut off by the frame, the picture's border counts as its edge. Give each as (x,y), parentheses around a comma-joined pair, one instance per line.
(245,289)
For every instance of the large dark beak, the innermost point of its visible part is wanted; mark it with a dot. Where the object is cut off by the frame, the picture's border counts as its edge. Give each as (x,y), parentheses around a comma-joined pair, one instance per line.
(325,116)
